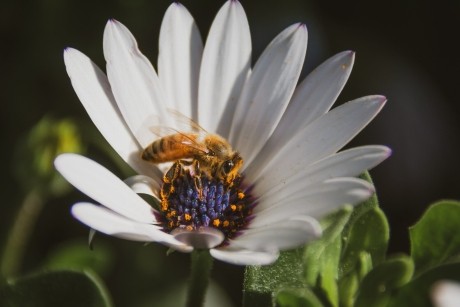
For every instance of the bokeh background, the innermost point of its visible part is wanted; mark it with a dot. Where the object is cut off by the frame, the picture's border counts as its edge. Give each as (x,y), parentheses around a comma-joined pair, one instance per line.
(405,50)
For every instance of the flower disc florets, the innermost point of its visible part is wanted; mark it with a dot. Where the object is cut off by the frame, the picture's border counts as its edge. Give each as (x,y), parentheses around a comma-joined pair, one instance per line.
(216,204)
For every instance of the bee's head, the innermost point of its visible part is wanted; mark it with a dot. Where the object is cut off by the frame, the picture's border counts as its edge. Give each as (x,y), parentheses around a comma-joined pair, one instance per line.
(229,168)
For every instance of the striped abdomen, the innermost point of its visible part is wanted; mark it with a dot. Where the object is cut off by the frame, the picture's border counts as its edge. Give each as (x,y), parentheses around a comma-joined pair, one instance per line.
(171,148)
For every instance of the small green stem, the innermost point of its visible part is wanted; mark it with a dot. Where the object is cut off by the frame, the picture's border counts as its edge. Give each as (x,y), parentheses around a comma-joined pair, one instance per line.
(199,279)
(20,232)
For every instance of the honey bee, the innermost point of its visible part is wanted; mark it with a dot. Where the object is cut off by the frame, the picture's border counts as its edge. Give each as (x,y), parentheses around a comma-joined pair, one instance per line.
(208,154)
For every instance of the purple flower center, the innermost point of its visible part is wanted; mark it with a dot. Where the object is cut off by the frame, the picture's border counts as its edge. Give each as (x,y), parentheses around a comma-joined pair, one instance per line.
(216,204)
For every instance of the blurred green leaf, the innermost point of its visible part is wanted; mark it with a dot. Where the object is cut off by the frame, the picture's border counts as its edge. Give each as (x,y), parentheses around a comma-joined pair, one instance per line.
(77,255)
(175,295)
(417,292)
(322,256)
(58,288)
(435,239)
(260,282)
(35,154)
(348,286)
(369,233)
(297,298)
(379,285)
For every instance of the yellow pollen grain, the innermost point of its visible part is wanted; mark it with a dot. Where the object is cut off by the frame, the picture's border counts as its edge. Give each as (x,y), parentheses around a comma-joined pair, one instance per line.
(173,213)
(233,207)
(189,228)
(188,217)
(226,223)
(216,222)
(240,195)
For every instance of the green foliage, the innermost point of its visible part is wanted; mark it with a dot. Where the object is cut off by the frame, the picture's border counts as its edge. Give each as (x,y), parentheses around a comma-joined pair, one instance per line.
(417,292)
(77,255)
(55,288)
(35,154)
(435,239)
(297,298)
(261,282)
(379,285)
(347,266)
(435,248)
(322,257)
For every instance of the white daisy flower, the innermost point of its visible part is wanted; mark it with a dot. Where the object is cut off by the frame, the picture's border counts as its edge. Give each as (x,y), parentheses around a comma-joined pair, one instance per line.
(285,132)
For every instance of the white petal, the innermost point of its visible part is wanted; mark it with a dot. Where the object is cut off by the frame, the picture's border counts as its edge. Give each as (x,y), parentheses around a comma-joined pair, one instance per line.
(143,185)
(314,200)
(93,90)
(134,82)
(285,234)
(110,223)
(335,187)
(446,293)
(323,137)
(226,64)
(318,92)
(348,163)
(268,91)
(312,98)
(179,59)
(245,257)
(202,238)
(104,187)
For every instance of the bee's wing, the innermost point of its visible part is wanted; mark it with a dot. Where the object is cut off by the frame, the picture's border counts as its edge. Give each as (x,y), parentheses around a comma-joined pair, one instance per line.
(192,133)
(185,123)
(190,139)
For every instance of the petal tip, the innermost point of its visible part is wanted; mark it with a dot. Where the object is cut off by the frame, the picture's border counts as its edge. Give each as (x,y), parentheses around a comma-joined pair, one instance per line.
(112,23)
(351,54)
(177,4)
(60,160)
(388,152)
(382,99)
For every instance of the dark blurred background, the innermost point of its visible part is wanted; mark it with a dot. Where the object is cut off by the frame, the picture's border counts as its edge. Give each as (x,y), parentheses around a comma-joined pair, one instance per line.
(405,50)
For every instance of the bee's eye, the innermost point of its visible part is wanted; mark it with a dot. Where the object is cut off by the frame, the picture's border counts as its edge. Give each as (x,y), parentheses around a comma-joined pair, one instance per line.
(228,166)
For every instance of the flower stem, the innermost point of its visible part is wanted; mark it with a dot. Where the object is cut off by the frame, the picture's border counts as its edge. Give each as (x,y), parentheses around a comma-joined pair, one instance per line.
(20,232)
(199,279)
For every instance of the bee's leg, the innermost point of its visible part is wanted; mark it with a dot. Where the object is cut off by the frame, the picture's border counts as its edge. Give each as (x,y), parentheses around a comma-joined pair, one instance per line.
(174,171)
(197,178)
(168,179)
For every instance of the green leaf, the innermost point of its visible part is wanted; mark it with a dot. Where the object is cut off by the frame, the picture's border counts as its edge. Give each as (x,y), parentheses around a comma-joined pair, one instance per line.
(35,154)
(260,282)
(380,284)
(58,288)
(364,245)
(348,286)
(322,256)
(416,293)
(78,256)
(368,234)
(435,239)
(297,298)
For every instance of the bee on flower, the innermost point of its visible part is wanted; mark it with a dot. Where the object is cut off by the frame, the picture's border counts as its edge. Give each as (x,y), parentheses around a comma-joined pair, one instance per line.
(284,131)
